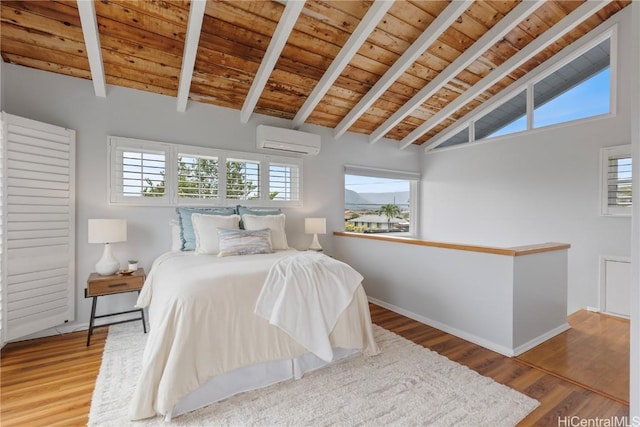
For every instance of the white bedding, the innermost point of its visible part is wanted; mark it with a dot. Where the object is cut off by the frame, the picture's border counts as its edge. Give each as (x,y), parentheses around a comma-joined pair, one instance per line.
(304,294)
(203,324)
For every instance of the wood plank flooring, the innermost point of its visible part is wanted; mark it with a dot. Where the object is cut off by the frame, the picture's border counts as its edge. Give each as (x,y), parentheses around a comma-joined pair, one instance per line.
(49,381)
(560,399)
(598,341)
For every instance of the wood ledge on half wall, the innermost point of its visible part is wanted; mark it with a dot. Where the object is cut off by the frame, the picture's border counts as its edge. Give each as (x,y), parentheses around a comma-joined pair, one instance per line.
(511,251)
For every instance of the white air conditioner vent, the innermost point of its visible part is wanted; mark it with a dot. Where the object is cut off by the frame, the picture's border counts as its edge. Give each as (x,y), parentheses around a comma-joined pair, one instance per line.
(287,140)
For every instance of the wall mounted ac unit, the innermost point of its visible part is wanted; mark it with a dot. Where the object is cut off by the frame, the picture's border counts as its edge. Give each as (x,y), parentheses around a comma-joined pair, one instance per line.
(287,140)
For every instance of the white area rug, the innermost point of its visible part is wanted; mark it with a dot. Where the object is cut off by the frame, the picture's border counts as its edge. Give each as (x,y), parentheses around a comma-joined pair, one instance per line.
(405,385)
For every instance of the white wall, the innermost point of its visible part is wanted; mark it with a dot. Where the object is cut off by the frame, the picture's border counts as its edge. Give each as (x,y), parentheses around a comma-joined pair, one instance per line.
(505,303)
(536,187)
(70,102)
(634,396)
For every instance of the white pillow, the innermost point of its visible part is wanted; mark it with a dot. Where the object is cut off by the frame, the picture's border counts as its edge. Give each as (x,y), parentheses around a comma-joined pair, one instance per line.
(275,223)
(176,241)
(205,228)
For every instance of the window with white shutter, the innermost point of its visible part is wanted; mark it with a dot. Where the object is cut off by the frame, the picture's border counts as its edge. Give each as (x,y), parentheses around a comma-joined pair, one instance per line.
(160,173)
(198,179)
(138,171)
(616,180)
(243,179)
(284,182)
(38,278)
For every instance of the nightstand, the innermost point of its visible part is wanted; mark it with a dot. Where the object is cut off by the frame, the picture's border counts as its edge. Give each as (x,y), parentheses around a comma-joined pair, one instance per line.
(98,286)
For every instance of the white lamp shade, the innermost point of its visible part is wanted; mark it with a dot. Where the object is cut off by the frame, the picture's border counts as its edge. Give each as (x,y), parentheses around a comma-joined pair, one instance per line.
(315,225)
(107,230)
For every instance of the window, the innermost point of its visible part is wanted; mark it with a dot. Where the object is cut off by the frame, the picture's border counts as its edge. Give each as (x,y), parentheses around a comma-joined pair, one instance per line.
(576,90)
(243,179)
(138,172)
(510,117)
(616,180)
(380,200)
(576,87)
(283,181)
(155,173)
(197,177)
(461,137)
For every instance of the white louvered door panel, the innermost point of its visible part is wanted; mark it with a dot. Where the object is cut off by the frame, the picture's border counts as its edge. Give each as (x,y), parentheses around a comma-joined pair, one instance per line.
(3,329)
(39,226)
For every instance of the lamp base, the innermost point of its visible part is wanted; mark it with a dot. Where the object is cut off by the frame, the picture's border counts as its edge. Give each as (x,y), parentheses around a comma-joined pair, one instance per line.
(315,244)
(107,265)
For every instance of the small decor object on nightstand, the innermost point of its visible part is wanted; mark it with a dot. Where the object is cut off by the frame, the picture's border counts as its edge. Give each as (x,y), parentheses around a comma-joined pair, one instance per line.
(133,264)
(315,226)
(107,231)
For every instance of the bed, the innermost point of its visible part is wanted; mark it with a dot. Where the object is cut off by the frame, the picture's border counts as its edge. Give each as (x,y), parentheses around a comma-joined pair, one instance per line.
(207,343)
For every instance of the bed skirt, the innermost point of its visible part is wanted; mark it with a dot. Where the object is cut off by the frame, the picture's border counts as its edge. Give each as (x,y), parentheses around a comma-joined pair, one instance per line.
(252,378)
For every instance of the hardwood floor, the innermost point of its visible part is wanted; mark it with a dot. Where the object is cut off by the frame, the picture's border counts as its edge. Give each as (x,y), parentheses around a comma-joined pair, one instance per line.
(49,381)
(559,399)
(595,340)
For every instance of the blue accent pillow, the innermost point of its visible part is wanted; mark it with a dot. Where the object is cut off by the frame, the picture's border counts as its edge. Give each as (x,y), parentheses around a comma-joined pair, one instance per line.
(242,210)
(187,233)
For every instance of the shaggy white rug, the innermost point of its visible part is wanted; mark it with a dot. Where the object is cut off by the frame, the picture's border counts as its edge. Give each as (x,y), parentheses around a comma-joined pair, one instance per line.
(405,385)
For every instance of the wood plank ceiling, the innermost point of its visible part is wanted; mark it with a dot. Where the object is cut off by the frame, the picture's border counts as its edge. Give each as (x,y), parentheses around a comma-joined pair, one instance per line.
(405,70)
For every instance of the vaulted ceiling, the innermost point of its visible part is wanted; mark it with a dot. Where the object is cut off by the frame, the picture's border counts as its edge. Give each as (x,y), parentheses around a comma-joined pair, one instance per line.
(404,70)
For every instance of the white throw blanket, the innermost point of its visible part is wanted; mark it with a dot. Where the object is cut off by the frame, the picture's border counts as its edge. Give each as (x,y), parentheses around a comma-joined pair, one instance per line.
(304,295)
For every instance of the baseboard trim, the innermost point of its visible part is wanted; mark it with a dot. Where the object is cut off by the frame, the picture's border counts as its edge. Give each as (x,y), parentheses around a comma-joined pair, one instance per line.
(540,339)
(505,351)
(69,328)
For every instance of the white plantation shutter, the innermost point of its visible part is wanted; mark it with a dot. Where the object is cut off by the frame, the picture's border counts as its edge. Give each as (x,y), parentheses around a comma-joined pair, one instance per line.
(138,172)
(39,226)
(2,233)
(243,179)
(619,181)
(284,182)
(144,173)
(198,179)
(616,180)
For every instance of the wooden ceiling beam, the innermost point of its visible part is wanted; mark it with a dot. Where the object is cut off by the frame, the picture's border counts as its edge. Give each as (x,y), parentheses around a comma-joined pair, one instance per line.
(194,27)
(89,23)
(280,36)
(567,24)
(520,85)
(490,38)
(426,39)
(370,21)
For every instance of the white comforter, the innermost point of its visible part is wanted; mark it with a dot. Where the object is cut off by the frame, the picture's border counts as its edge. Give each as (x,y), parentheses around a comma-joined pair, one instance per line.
(304,295)
(201,310)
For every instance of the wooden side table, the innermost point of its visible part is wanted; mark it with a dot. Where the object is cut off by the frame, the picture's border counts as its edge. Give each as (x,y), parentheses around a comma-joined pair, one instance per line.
(98,285)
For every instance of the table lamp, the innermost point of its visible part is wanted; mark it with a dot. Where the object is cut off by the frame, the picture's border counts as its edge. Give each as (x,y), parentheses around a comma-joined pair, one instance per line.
(315,226)
(107,231)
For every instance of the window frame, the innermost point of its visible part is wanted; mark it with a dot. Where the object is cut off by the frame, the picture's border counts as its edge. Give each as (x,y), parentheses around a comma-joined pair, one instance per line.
(198,152)
(606,153)
(414,191)
(574,51)
(115,168)
(296,178)
(173,151)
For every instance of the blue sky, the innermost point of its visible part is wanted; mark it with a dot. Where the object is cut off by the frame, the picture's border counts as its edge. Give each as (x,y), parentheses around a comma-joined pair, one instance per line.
(590,98)
(365,184)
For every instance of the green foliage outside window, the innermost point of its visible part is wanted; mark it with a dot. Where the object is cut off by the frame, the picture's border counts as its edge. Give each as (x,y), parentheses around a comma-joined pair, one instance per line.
(198,178)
